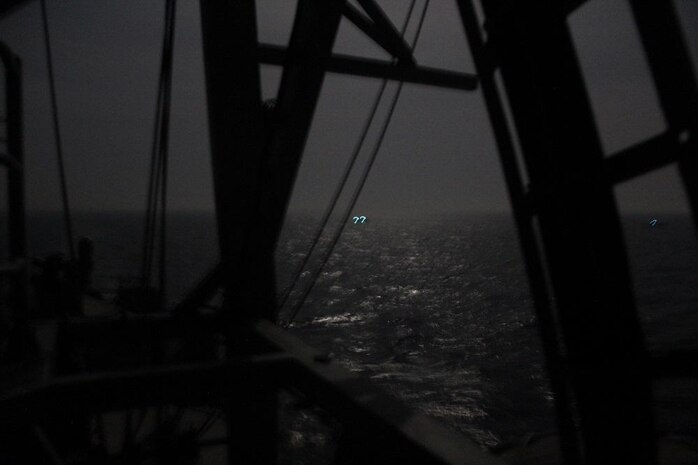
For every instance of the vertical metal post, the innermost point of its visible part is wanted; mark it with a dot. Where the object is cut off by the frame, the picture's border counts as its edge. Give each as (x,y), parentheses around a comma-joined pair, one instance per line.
(21,339)
(580,229)
(485,63)
(229,32)
(309,50)
(235,128)
(253,177)
(17,232)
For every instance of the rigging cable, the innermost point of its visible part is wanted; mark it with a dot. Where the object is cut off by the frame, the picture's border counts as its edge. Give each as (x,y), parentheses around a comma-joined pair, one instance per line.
(157,189)
(347,213)
(68,222)
(345,175)
(157,184)
(153,180)
(164,147)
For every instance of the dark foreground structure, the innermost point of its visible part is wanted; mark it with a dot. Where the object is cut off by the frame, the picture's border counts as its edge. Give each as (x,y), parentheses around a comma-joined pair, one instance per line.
(62,374)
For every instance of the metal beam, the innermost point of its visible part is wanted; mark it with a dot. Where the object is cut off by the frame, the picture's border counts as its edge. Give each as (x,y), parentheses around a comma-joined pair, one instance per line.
(669,61)
(674,78)
(380,34)
(184,384)
(580,231)
(231,64)
(383,23)
(310,47)
(485,62)
(388,429)
(237,151)
(20,341)
(15,150)
(644,157)
(234,105)
(139,328)
(366,67)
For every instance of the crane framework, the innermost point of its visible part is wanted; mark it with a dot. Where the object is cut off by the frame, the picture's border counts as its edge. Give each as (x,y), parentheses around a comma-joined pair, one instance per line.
(565,213)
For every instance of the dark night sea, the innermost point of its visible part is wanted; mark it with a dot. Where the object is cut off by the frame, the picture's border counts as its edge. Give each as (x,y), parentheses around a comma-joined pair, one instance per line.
(435,311)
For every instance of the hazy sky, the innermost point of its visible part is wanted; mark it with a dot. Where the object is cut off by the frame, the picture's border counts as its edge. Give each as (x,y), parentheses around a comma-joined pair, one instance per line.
(439,154)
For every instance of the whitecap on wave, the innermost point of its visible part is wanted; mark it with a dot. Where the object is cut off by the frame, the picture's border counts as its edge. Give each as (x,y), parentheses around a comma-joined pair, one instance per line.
(341,319)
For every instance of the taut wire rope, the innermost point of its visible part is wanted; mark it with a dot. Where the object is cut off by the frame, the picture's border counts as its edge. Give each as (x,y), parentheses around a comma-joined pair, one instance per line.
(67,218)
(345,175)
(357,191)
(156,204)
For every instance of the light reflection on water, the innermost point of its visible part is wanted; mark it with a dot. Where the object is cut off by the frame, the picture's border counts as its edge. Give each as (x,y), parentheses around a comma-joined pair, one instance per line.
(428,310)
(437,312)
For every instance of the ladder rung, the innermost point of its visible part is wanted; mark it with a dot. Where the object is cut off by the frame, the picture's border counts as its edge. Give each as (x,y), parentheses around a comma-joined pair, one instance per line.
(367,67)
(644,157)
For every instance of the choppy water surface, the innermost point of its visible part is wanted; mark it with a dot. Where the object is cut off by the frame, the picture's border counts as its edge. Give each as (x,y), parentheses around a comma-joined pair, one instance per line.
(437,311)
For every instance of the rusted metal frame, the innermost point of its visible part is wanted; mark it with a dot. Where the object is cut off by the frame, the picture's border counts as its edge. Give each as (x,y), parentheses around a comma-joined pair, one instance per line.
(485,63)
(148,333)
(386,36)
(675,81)
(231,64)
(310,47)
(645,157)
(367,67)
(580,229)
(389,431)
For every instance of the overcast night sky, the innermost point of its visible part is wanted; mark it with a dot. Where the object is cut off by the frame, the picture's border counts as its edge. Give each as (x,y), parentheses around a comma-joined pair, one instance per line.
(439,155)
